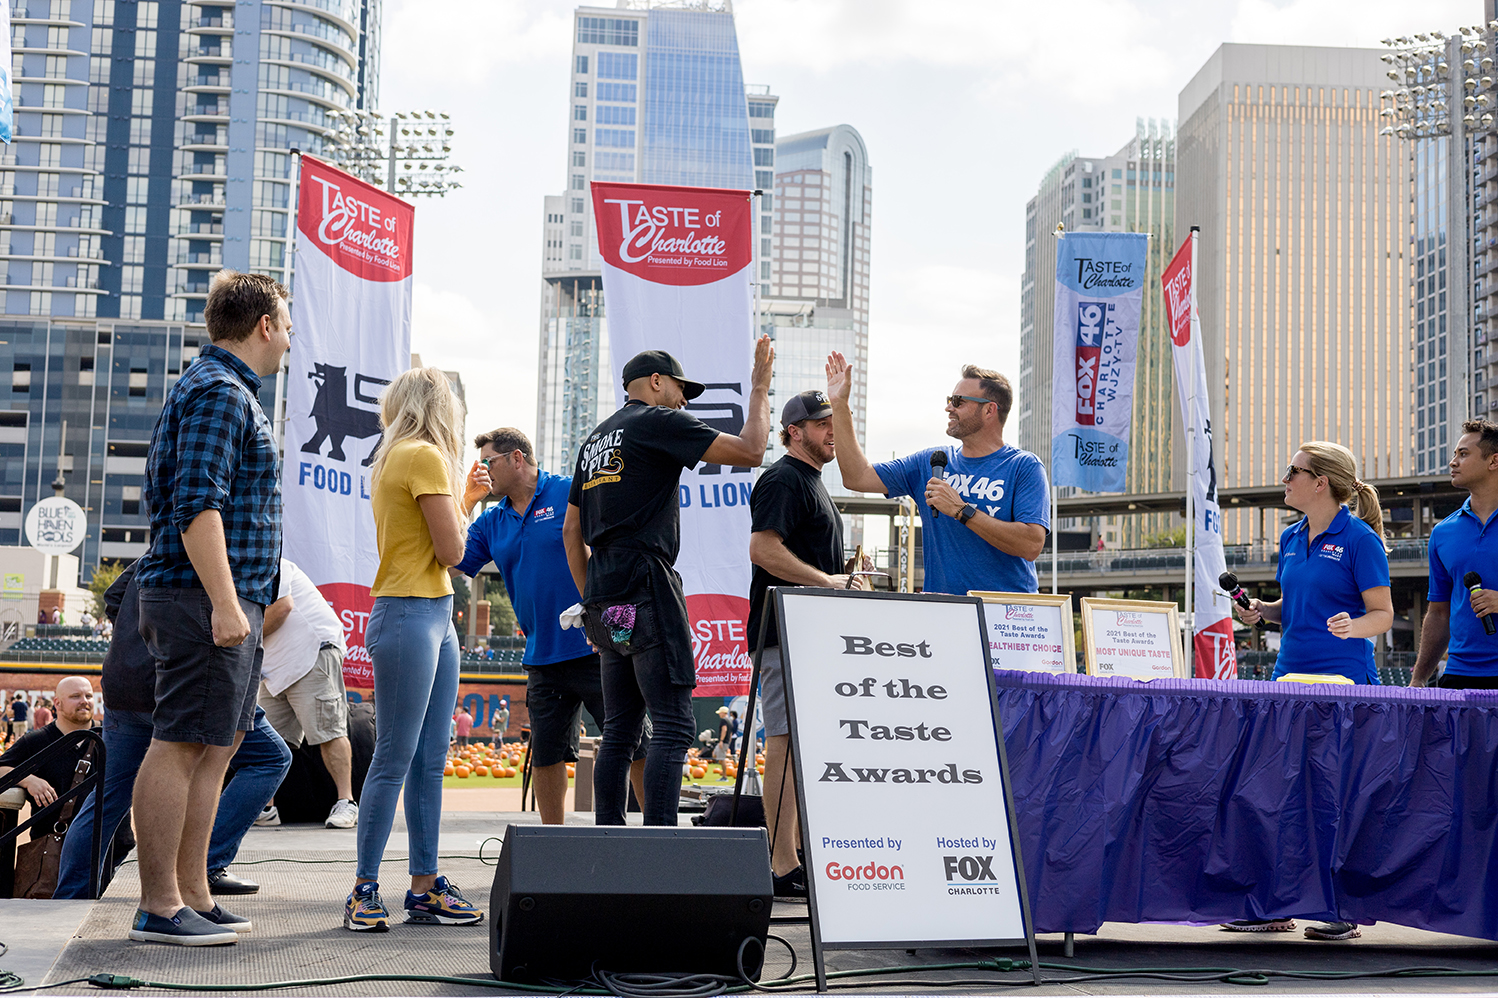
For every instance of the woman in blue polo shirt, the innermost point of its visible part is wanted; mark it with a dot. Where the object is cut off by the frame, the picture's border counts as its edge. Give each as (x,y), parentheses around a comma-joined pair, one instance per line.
(1333,569)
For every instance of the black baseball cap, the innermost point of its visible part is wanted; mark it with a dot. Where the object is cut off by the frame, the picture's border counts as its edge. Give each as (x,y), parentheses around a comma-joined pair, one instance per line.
(810,404)
(648,362)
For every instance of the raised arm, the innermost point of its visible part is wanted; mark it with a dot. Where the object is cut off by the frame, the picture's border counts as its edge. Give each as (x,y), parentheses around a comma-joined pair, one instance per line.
(747,450)
(858,474)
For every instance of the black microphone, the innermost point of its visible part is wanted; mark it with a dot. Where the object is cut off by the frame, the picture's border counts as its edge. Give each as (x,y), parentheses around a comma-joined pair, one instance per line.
(938,461)
(1473,582)
(1229,582)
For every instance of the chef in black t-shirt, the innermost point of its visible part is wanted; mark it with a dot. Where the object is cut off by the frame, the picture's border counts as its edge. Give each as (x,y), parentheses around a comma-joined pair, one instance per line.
(74,700)
(796,540)
(623,531)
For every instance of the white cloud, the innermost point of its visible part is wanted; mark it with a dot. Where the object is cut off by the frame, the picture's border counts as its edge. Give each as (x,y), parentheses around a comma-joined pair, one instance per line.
(450,331)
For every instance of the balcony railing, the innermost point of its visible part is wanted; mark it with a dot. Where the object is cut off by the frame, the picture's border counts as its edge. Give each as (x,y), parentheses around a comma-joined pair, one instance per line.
(1127,561)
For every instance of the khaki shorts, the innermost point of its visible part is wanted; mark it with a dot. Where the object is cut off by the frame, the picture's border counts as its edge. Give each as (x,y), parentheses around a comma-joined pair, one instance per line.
(315,705)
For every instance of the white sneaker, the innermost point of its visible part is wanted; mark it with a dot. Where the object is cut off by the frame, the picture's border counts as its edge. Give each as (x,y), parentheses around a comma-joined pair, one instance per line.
(268,817)
(345,814)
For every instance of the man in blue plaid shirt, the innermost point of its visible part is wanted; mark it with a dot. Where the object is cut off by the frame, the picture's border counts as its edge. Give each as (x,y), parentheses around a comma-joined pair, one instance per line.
(213,486)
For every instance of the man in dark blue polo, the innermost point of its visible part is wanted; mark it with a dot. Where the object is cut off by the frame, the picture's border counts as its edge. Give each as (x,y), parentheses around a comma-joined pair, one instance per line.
(213,487)
(1465,542)
(522,535)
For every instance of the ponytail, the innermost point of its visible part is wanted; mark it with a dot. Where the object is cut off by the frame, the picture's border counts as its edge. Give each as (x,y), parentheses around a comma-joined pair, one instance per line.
(1340,468)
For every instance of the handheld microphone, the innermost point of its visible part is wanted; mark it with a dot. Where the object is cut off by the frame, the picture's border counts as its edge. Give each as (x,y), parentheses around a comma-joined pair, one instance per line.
(1229,582)
(1473,582)
(938,462)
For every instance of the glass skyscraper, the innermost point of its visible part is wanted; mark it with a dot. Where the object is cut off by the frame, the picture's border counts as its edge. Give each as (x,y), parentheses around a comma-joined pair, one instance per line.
(657,97)
(153,147)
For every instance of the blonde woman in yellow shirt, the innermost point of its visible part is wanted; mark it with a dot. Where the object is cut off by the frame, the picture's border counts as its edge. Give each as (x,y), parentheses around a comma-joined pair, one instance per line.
(416,482)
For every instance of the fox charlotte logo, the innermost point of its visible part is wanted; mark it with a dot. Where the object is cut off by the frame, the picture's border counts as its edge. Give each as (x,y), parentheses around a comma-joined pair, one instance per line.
(1332,551)
(969,868)
(1091,328)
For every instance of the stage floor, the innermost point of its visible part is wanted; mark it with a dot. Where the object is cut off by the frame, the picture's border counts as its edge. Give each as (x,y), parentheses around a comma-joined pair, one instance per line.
(305,871)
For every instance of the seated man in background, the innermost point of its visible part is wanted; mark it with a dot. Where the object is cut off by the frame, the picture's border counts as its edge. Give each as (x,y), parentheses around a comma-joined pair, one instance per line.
(130,695)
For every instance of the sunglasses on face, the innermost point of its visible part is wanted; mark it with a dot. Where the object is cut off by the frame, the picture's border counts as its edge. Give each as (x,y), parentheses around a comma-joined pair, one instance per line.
(1291,471)
(955,401)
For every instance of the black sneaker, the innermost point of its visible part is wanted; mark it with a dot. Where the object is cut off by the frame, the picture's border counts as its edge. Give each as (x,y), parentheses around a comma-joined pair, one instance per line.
(1333,931)
(1261,925)
(791,885)
(185,928)
(229,920)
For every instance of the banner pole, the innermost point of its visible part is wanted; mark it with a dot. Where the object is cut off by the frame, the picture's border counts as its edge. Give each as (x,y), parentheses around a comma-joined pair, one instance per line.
(1191,402)
(1054,545)
(756,201)
(288,274)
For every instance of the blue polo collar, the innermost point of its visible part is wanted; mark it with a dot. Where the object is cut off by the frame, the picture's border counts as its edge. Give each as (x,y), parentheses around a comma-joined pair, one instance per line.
(542,478)
(1466,507)
(1338,524)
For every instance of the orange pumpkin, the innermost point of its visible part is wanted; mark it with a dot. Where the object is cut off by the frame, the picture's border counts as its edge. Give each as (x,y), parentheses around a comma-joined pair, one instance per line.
(447,770)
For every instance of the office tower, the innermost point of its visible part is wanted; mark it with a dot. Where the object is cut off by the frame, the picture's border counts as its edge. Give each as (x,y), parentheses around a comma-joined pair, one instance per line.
(1131,191)
(823,201)
(153,147)
(657,96)
(1302,259)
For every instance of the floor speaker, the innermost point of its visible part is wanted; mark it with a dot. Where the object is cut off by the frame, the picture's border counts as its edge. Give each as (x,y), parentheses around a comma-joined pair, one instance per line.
(569,899)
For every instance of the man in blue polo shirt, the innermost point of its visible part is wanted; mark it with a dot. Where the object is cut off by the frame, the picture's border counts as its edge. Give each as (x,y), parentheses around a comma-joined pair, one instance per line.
(992,497)
(522,535)
(1466,541)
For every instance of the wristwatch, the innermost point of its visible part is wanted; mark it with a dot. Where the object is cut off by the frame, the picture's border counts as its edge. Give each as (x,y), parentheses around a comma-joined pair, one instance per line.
(966,513)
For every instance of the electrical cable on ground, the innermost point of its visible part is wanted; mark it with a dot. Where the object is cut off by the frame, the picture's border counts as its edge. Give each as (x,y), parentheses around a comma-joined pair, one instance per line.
(703,985)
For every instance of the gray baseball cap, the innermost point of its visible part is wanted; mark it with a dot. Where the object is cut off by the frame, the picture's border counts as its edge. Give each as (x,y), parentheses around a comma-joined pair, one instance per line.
(810,404)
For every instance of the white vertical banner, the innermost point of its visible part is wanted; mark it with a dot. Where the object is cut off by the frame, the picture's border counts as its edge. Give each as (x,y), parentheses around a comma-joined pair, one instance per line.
(351,319)
(1212,643)
(677,276)
(1099,290)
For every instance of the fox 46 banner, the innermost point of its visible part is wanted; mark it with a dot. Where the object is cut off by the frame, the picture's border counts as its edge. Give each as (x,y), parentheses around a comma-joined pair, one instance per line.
(1212,611)
(677,276)
(352,316)
(1099,288)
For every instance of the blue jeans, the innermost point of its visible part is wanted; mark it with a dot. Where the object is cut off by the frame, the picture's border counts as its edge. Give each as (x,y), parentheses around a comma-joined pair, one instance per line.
(259,766)
(414,651)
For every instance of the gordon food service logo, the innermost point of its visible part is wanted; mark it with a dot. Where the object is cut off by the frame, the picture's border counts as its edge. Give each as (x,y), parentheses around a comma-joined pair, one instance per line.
(673,235)
(364,230)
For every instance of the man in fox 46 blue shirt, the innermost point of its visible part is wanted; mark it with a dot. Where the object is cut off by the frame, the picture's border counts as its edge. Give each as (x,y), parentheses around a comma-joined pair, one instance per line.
(993,497)
(1465,542)
(522,535)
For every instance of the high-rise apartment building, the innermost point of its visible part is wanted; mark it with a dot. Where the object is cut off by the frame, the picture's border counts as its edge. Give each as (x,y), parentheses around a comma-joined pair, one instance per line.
(1304,212)
(153,147)
(1131,191)
(824,202)
(656,96)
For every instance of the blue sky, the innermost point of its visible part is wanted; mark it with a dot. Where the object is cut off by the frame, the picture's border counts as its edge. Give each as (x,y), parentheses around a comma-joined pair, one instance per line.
(963,104)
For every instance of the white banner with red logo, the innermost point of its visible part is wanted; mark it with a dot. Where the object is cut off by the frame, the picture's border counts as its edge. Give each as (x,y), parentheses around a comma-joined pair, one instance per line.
(1099,289)
(351,319)
(1214,656)
(677,276)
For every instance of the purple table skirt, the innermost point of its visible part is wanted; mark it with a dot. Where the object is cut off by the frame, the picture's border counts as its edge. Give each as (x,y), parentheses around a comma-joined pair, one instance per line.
(1198,801)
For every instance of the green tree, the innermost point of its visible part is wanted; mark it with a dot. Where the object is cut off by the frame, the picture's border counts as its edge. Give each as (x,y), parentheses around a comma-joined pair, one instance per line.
(104,577)
(1167,539)
(501,610)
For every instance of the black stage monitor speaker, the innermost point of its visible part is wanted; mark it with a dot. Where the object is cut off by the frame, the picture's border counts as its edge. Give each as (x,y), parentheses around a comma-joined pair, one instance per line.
(568,899)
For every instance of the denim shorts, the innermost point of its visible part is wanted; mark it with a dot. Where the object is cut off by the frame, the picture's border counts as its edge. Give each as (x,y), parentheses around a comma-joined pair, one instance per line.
(204,693)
